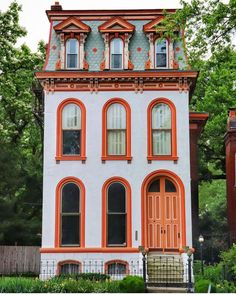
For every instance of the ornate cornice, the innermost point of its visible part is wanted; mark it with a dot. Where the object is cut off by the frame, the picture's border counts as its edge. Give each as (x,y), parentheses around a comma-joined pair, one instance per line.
(118,81)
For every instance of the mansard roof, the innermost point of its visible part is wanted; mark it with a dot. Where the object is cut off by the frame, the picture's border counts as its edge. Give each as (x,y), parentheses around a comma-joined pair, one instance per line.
(116,25)
(151,27)
(72,24)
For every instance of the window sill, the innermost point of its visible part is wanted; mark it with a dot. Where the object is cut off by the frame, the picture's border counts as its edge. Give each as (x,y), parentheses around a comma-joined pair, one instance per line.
(162,158)
(70,158)
(116,158)
(89,250)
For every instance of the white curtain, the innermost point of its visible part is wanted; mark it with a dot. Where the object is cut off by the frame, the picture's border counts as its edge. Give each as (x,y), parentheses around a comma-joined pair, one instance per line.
(116,129)
(161,129)
(71,117)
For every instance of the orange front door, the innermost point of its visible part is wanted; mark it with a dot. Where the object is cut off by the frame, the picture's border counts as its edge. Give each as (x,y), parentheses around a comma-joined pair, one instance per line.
(163,215)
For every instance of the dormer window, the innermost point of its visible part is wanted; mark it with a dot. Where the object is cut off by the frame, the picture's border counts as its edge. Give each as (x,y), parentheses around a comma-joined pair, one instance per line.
(116,49)
(161,53)
(72,53)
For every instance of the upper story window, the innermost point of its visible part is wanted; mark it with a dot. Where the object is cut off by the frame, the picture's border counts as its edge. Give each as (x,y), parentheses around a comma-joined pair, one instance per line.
(162,142)
(72,53)
(71,123)
(161,53)
(116,130)
(116,53)
(71,129)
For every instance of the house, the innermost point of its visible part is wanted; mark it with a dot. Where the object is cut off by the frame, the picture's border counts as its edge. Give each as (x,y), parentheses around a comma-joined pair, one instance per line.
(230,144)
(117,172)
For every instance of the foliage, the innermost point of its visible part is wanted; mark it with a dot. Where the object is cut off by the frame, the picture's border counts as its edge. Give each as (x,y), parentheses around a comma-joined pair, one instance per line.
(56,285)
(132,284)
(87,276)
(225,287)
(202,285)
(20,135)
(228,259)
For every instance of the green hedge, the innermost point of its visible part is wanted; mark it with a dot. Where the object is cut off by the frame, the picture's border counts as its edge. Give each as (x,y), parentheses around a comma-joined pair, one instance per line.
(70,285)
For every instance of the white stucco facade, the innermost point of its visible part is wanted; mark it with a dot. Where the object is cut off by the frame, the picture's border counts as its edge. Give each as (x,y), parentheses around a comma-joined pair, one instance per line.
(93,173)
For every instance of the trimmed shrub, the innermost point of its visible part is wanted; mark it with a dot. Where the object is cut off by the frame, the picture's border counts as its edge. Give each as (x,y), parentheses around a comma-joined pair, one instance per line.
(132,284)
(87,276)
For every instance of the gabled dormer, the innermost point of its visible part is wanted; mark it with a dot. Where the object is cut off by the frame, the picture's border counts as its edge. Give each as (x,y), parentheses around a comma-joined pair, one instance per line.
(116,33)
(73,33)
(161,53)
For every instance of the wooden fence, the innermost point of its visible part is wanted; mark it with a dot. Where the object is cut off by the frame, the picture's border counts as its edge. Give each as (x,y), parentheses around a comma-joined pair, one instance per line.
(19,259)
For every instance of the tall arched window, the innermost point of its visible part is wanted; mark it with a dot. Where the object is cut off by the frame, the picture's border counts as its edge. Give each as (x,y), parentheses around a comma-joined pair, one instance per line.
(162,130)
(116,53)
(72,53)
(116,130)
(116,212)
(71,125)
(161,53)
(70,204)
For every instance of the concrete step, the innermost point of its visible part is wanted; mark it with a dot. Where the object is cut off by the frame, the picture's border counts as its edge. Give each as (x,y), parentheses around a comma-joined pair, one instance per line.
(166,290)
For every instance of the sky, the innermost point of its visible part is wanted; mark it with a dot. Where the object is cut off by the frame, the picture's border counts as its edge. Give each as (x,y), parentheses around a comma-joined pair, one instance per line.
(34,19)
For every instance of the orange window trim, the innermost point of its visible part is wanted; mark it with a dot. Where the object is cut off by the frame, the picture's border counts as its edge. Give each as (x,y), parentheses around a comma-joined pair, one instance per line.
(59,154)
(180,186)
(58,210)
(150,155)
(89,250)
(105,155)
(61,263)
(128,212)
(117,261)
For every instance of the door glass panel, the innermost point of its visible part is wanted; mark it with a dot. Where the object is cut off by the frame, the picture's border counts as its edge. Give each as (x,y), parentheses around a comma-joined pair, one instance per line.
(155,186)
(169,186)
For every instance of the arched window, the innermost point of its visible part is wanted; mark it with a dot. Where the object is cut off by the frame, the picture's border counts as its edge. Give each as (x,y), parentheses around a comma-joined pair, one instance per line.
(72,53)
(70,215)
(116,267)
(70,203)
(116,212)
(71,130)
(161,53)
(116,130)
(69,267)
(116,53)
(162,130)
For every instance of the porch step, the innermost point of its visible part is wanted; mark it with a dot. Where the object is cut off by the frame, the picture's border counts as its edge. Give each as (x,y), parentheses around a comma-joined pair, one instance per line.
(166,290)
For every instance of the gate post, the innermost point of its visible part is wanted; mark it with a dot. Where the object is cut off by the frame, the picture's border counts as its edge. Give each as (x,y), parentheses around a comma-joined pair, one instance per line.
(190,285)
(144,260)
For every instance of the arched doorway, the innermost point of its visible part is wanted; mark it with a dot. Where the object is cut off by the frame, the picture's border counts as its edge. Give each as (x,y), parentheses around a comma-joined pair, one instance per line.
(163,212)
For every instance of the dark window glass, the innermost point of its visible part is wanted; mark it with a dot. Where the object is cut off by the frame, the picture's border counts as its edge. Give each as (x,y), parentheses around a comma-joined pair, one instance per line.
(116,229)
(70,198)
(155,186)
(116,268)
(116,198)
(116,61)
(169,186)
(70,229)
(72,60)
(71,142)
(161,60)
(72,49)
(70,268)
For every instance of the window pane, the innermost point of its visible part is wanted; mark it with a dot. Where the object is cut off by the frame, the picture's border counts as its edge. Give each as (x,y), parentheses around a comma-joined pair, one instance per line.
(161,116)
(72,61)
(161,142)
(116,142)
(71,142)
(71,117)
(116,268)
(169,186)
(116,116)
(72,46)
(116,61)
(70,198)
(70,230)
(116,198)
(70,269)
(161,53)
(116,229)
(155,186)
